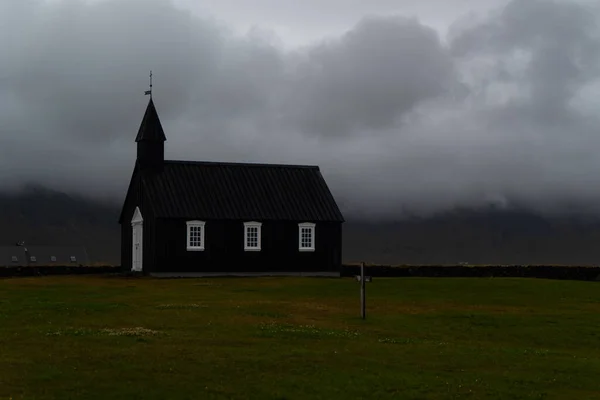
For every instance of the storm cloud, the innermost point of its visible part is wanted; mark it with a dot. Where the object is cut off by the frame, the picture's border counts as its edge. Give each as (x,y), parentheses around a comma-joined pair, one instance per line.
(401,117)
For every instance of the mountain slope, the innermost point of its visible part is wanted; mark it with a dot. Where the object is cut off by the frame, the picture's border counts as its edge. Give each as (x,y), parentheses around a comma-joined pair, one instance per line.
(476,237)
(42,216)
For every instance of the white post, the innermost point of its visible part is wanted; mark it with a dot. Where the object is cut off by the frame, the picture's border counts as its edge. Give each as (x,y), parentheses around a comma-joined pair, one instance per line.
(362,291)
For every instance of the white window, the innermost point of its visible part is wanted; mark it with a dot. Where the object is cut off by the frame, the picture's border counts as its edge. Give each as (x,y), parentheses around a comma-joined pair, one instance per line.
(195,235)
(306,236)
(252,236)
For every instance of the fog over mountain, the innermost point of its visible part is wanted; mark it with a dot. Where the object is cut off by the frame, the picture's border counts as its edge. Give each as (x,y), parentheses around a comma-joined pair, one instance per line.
(402,116)
(492,236)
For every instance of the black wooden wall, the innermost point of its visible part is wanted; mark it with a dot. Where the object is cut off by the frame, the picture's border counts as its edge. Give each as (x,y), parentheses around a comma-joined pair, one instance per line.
(224,248)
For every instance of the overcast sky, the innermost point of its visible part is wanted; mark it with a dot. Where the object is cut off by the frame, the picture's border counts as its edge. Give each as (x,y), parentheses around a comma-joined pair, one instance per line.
(406,106)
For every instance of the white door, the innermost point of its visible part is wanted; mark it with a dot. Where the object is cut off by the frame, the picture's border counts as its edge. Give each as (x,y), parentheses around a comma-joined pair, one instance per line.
(137,247)
(137,251)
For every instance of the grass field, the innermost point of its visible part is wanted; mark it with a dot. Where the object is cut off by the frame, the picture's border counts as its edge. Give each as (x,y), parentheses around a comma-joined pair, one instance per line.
(298,338)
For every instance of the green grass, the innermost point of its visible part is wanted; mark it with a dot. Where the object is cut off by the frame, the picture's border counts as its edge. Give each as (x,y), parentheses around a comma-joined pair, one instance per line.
(298,338)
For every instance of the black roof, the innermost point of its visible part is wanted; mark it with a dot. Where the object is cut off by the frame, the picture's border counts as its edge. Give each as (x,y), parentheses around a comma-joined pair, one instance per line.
(240,191)
(151,128)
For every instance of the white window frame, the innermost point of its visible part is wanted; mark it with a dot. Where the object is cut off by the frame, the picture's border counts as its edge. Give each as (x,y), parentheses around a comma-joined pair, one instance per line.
(258,226)
(197,224)
(306,225)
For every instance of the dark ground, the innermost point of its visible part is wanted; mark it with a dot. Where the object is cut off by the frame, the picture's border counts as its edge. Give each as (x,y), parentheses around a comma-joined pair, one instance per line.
(478,237)
(96,337)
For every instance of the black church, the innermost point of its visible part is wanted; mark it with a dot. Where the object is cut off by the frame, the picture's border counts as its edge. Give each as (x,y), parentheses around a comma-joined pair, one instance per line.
(201,218)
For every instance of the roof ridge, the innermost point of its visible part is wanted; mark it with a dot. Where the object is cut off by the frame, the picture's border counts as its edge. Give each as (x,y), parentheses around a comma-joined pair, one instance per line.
(242,164)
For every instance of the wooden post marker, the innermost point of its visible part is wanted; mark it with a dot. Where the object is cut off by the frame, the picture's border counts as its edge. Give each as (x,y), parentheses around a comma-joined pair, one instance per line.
(363,279)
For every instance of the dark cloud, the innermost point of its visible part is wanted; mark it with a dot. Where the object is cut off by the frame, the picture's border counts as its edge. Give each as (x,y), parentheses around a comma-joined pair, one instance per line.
(369,78)
(558,45)
(400,119)
(302,21)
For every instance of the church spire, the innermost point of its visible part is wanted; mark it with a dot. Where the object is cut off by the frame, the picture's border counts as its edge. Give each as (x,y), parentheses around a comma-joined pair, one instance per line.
(150,138)
(151,128)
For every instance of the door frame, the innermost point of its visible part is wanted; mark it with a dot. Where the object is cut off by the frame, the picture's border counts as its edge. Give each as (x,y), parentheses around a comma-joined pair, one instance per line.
(137,231)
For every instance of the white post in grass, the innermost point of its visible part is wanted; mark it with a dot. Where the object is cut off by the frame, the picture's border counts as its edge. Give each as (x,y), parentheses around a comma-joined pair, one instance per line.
(362,291)
(363,298)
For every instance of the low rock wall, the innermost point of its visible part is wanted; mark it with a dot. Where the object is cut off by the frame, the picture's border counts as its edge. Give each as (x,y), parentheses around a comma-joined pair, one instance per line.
(463,271)
(587,273)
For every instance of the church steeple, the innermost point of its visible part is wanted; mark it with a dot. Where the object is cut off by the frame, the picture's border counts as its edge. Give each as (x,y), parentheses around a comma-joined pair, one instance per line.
(150,139)
(151,128)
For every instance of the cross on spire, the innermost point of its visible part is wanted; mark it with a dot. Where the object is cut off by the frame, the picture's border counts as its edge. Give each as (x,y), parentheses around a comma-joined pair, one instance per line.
(149,92)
